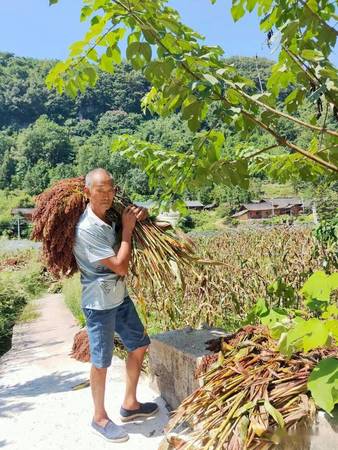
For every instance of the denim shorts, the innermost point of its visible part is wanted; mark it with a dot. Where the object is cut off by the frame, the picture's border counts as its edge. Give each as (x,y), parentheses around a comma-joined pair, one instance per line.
(101,325)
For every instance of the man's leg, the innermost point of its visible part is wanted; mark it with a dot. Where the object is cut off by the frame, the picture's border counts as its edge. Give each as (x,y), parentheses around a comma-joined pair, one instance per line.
(100,327)
(133,369)
(136,340)
(98,384)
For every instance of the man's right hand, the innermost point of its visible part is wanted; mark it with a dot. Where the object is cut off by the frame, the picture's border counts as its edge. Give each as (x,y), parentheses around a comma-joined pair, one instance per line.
(128,219)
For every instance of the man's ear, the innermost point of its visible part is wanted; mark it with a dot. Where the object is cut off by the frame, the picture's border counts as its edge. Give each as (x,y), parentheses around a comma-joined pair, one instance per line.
(87,192)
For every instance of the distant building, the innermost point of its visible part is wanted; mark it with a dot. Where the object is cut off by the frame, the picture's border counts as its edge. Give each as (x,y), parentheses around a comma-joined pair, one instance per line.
(27,213)
(190,204)
(194,204)
(272,207)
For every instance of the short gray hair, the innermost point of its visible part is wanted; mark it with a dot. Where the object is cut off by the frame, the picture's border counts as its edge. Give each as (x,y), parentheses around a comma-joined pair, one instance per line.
(90,175)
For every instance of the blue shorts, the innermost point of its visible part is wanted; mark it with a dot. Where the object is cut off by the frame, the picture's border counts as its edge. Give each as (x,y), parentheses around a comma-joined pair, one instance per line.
(101,325)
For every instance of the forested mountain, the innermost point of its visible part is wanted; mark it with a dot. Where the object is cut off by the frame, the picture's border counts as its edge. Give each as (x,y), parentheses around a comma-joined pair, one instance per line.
(45,136)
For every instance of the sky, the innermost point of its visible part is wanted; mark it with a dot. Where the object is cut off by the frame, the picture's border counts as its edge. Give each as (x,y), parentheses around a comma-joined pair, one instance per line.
(33,28)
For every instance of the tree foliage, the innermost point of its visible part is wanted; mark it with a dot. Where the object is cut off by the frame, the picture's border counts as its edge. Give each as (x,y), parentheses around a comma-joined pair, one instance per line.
(192,78)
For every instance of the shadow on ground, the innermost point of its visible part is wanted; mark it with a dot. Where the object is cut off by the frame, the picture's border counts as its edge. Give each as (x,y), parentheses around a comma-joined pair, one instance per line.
(48,384)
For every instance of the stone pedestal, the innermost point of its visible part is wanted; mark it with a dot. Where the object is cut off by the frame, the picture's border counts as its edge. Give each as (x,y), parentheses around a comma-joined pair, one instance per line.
(173,359)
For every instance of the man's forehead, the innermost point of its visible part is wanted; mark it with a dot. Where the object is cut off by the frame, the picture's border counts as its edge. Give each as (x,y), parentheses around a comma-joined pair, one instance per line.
(102,180)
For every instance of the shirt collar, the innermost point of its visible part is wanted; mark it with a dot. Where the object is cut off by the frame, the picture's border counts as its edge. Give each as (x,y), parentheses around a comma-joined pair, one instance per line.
(95,218)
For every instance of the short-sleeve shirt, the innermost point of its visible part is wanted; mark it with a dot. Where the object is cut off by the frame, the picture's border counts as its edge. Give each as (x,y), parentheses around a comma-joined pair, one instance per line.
(96,240)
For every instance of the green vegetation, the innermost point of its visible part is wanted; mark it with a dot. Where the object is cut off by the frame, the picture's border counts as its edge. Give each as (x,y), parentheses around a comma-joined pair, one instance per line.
(48,137)
(71,289)
(22,278)
(10,199)
(284,127)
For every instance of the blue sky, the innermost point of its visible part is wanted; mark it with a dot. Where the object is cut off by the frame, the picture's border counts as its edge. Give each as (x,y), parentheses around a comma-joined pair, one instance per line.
(33,28)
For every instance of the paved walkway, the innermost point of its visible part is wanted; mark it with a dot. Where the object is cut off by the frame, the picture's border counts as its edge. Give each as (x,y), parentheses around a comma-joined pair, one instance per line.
(39,409)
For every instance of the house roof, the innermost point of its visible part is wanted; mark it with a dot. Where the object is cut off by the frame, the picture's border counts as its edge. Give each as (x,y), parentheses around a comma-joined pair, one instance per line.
(22,211)
(257,206)
(240,213)
(188,204)
(193,204)
(282,202)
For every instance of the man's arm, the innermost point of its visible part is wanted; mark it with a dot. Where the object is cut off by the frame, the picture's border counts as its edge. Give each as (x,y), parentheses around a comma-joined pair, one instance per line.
(119,263)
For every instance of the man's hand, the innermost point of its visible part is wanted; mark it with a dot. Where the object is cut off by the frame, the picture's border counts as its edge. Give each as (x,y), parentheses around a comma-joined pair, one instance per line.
(128,219)
(141,213)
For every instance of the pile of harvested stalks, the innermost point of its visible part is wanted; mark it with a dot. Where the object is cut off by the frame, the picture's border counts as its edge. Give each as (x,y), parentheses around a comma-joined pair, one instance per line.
(252,395)
(58,210)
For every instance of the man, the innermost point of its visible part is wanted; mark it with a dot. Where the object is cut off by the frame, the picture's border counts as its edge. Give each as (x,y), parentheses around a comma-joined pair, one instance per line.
(103,263)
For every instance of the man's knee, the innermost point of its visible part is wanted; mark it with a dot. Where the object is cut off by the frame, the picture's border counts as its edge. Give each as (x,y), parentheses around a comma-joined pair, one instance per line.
(139,351)
(99,369)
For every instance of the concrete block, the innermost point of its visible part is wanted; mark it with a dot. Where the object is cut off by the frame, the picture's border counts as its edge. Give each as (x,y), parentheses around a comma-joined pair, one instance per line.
(173,359)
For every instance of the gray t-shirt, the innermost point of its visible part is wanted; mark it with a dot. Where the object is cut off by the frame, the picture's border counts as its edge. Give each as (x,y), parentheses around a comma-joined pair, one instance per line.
(95,240)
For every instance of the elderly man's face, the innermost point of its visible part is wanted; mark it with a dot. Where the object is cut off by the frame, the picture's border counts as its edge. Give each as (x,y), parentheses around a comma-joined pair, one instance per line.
(101,192)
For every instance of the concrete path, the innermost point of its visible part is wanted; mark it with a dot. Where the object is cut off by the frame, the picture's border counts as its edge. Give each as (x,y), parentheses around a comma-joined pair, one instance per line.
(39,409)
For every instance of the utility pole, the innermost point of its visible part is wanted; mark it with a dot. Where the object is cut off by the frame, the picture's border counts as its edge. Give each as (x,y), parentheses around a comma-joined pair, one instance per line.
(19,234)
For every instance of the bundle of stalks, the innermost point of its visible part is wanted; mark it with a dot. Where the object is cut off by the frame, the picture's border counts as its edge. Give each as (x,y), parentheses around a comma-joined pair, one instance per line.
(154,251)
(57,211)
(80,349)
(251,396)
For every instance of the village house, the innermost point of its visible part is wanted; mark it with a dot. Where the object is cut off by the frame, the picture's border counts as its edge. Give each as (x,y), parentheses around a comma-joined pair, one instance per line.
(26,213)
(266,208)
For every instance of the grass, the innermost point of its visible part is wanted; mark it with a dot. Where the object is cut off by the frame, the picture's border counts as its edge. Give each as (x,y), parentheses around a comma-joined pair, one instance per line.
(22,279)
(273,190)
(29,313)
(71,289)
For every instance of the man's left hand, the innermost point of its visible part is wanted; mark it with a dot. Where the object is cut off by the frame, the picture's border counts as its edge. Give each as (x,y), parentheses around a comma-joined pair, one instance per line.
(141,213)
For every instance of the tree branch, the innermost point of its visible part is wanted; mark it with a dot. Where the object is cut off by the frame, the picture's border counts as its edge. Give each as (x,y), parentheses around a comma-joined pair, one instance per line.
(320,19)
(307,71)
(280,113)
(280,139)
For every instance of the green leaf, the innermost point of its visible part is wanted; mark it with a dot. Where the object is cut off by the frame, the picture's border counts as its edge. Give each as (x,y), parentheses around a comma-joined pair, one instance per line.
(139,53)
(53,2)
(273,316)
(269,21)
(316,334)
(92,54)
(331,311)
(251,4)
(76,48)
(274,413)
(240,411)
(237,10)
(113,37)
(106,64)
(86,11)
(312,55)
(323,384)
(71,88)
(233,96)
(211,79)
(91,74)
(116,55)
(332,327)
(317,287)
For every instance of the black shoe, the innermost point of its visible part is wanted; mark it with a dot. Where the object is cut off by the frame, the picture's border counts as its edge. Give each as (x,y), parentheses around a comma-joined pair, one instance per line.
(145,410)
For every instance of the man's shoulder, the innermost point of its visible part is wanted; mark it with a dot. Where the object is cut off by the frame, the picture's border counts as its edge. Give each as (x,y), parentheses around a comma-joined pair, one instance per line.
(84,225)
